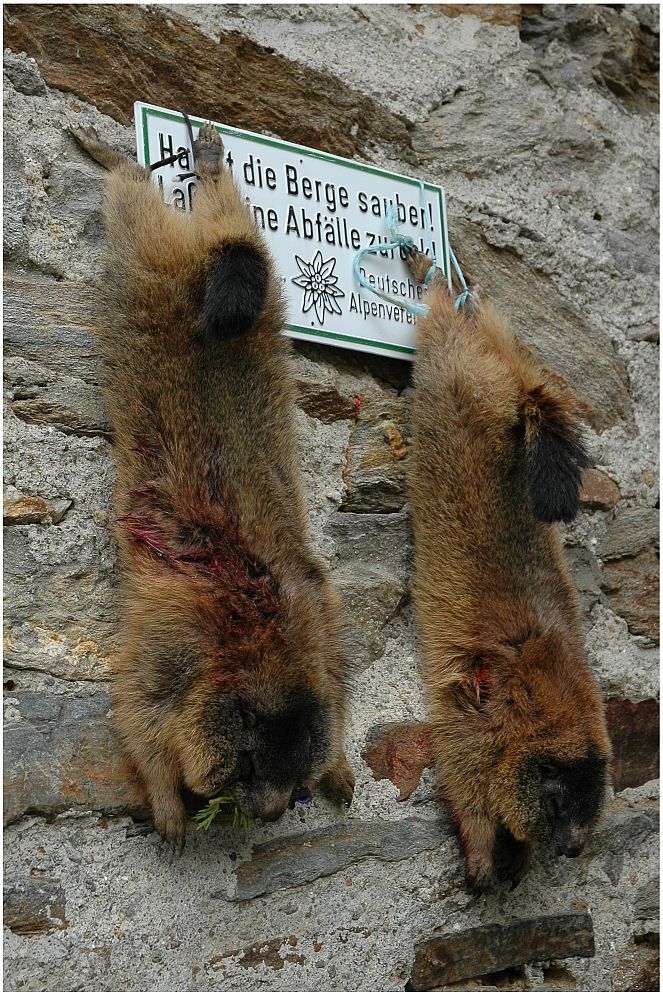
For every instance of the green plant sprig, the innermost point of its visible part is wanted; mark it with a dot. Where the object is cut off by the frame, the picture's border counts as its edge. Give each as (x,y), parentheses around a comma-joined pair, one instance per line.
(206,816)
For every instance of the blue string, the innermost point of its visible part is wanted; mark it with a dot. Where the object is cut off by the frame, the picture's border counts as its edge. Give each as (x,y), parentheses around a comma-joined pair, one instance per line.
(399,241)
(465,294)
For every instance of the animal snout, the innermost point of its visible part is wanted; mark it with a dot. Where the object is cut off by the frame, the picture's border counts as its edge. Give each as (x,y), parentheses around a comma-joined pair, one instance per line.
(261,802)
(570,849)
(272,814)
(570,841)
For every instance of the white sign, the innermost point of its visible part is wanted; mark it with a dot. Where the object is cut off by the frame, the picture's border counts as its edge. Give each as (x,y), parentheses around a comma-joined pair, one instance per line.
(316,211)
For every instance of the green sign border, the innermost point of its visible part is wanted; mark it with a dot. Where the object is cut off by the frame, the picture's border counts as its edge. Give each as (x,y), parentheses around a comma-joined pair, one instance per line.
(148,110)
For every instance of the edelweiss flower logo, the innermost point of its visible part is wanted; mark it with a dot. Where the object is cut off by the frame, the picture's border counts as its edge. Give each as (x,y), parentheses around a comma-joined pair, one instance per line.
(319,283)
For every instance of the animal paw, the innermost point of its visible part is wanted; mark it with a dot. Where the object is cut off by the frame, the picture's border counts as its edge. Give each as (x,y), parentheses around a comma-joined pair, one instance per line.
(208,150)
(170,822)
(418,263)
(478,874)
(339,784)
(88,139)
(511,858)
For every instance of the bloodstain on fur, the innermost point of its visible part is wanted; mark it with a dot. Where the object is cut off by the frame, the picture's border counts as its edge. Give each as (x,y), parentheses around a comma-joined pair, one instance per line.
(233,673)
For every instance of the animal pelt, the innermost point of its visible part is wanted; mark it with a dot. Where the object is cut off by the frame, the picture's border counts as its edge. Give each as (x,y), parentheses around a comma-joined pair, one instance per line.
(233,674)
(517,718)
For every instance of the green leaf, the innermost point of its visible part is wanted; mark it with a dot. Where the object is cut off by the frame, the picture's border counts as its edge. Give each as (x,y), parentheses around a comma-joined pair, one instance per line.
(206,816)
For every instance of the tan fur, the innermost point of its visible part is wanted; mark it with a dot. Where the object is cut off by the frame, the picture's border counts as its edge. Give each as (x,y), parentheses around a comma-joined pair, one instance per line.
(223,601)
(502,652)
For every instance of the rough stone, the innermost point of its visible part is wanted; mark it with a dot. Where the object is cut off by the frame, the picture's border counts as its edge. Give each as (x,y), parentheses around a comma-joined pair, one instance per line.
(370,569)
(629,532)
(646,902)
(78,49)
(23,74)
(598,491)
(325,403)
(24,509)
(15,200)
(632,589)
(638,970)
(371,597)
(400,752)
(634,732)
(33,905)
(76,193)
(586,575)
(625,826)
(61,615)
(43,397)
(376,539)
(52,325)
(296,860)
(376,470)
(509,14)
(644,333)
(59,754)
(620,56)
(487,949)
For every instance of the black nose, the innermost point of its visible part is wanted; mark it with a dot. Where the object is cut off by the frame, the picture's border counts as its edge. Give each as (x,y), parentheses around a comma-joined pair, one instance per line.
(570,850)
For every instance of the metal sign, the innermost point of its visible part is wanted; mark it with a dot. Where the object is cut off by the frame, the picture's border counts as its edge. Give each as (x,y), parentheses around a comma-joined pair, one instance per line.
(316,211)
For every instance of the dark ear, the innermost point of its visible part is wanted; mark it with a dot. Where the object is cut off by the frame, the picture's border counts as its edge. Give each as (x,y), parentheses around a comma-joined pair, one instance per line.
(554,453)
(554,461)
(235,291)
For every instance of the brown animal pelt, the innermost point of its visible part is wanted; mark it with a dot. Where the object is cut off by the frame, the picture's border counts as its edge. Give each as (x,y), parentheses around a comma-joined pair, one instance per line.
(232,674)
(517,718)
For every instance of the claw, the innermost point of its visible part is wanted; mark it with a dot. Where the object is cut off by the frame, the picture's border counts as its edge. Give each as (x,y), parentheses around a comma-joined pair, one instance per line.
(174,849)
(208,149)
(88,139)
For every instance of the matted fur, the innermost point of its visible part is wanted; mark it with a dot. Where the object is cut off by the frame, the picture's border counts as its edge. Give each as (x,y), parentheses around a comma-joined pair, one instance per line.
(232,672)
(517,718)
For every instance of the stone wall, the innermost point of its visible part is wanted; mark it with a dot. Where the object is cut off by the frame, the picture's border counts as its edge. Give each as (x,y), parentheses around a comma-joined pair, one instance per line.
(541,122)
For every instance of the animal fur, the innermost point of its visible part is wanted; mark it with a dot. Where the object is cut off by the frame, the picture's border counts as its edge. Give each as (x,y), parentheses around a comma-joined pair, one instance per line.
(517,718)
(232,673)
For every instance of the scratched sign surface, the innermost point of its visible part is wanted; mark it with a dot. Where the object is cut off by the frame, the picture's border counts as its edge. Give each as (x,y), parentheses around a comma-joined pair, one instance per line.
(316,210)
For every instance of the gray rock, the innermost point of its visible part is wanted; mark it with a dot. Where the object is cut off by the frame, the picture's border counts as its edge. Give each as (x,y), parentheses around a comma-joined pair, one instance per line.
(644,333)
(375,539)
(376,468)
(624,829)
(15,200)
(483,950)
(371,597)
(33,905)
(297,860)
(76,192)
(23,73)
(371,572)
(630,531)
(586,575)
(43,397)
(52,324)
(60,754)
(646,902)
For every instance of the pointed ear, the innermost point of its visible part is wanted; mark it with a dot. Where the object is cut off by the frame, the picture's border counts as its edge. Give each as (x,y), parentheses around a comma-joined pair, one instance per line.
(554,451)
